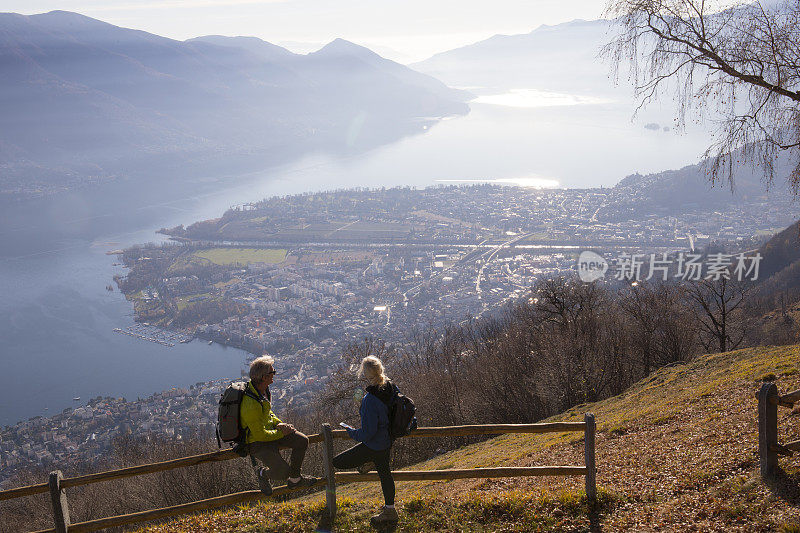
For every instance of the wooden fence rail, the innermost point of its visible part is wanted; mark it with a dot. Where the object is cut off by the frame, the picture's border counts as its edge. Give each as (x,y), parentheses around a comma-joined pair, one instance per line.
(227,455)
(768,447)
(57,483)
(175,510)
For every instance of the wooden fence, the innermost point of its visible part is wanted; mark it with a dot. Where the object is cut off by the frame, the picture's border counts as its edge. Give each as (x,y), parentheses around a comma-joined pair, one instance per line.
(57,483)
(768,447)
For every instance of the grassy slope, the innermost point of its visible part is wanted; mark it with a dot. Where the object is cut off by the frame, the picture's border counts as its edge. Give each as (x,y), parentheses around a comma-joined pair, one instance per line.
(676,452)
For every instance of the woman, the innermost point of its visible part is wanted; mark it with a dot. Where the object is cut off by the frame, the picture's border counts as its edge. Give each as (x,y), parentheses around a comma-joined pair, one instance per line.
(373,436)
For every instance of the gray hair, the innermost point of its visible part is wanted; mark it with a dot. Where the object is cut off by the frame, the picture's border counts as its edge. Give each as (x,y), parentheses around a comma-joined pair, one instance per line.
(261,367)
(372,370)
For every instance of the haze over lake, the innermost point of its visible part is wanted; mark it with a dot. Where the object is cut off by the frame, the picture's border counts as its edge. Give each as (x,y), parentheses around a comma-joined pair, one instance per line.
(56,317)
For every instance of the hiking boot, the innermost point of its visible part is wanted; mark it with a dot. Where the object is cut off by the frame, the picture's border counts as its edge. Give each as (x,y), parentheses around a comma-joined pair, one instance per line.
(365,468)
(305,481)
(263,482)
(387,515)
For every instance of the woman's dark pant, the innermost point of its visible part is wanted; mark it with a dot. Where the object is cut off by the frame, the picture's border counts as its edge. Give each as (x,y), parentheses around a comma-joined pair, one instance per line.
(360,454)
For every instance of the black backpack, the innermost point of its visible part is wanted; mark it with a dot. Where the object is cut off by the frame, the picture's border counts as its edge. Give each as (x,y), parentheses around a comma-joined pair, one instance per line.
(401,414)
(229,428)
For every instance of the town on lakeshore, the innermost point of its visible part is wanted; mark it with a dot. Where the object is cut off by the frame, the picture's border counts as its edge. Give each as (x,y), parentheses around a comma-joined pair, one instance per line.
(301,277)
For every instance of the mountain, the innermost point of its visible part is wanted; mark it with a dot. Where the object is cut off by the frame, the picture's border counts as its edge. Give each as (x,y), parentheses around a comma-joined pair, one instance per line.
(561,58)
(345,59)
(781,251)
(778,290)
(341,50)
(266,51)
(80,96)
(688,188)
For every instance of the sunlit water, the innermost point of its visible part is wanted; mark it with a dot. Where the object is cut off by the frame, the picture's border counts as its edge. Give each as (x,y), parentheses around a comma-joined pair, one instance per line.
(533,98)
(56,317)
(533,182)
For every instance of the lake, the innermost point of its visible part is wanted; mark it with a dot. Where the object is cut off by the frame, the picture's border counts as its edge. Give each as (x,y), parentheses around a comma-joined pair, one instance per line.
(57,318)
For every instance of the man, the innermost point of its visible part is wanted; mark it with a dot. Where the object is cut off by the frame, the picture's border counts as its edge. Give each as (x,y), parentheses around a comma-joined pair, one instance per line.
(267,435)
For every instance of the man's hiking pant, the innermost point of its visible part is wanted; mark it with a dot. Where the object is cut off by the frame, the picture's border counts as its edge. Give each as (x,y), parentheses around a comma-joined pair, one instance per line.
(360,454)
(269,454)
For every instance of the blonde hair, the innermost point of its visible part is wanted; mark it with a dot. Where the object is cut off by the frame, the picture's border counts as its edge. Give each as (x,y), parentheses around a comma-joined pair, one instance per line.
(261,367)
(372,370)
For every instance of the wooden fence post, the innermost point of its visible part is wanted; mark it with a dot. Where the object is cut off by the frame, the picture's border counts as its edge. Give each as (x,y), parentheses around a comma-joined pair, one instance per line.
(588,450)
(330,472)
(58,497)
(768,429)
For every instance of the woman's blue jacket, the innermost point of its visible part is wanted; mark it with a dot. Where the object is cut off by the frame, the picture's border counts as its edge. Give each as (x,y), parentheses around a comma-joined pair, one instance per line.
(374,430)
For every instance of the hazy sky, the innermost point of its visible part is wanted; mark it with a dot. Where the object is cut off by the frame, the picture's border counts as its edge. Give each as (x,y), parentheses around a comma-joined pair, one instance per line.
(413,29)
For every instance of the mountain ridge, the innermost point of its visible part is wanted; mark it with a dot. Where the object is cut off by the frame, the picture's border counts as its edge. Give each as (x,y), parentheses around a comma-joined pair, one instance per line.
(535,60)
(137,95)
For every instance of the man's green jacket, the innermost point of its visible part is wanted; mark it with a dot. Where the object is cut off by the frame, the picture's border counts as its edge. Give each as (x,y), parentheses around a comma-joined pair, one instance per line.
(257,417)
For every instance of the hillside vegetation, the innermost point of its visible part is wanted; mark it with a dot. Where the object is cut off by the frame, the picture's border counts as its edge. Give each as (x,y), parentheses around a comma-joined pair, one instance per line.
(676,452)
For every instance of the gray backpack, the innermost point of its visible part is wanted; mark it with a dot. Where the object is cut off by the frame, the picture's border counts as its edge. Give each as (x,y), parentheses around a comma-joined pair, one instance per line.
(229,428)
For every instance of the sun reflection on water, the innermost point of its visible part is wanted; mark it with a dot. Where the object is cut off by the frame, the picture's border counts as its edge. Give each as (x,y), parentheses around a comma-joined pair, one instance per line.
(536,98)
(535,182)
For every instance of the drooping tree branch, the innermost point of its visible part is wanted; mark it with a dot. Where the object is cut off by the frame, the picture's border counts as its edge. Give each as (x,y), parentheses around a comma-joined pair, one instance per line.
(739,65)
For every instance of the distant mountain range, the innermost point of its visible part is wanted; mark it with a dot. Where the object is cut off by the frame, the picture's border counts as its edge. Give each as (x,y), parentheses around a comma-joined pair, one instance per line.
(566,58)
(80,98)
(562,58)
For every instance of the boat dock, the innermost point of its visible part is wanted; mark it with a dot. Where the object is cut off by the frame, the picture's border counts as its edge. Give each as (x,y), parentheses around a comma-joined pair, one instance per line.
(153,334)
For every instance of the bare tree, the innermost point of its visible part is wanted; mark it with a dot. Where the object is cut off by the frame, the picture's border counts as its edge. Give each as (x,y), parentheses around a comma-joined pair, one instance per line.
(571,322)
(659,323)
(720,317)
(739,63)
